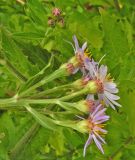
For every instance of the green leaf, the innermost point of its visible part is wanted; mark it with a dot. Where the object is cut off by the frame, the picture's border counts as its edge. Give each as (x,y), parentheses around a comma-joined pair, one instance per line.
(14,54)
(28,35)
(115,41)
(42,119)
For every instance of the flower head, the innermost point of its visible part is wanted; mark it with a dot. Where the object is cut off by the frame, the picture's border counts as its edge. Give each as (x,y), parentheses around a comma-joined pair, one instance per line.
(81,55)
(106,87)
(96,128)
(56,12)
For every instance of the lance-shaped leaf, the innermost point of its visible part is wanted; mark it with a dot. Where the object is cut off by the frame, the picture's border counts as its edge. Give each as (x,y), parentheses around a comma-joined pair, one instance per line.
(42,119)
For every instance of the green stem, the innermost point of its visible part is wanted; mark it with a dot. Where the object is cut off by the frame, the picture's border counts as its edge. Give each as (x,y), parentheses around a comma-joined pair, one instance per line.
(56,74)
(53,90)
(75,94)
(8,100)
(69,124)
(39,101)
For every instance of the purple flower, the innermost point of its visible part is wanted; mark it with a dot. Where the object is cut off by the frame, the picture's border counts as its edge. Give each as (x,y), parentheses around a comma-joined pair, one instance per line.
(81,56)
(106,87)
(96,128)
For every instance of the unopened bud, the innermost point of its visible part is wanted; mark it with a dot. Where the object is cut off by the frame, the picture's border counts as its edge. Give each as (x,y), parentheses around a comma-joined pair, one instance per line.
(51,22)
(92,87)
(80,83)
(74,61)
(56,12)
(69,68)
(85,106)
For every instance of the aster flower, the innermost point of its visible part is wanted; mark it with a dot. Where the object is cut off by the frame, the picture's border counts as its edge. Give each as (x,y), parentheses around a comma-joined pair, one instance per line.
(106,87)
(81,55)
(96,128)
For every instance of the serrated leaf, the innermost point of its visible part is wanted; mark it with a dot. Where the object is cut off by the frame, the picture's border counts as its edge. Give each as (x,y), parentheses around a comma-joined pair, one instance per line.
(14,54)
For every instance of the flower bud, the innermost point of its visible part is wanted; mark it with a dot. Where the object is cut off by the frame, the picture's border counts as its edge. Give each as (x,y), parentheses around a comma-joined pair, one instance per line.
(92,87)
(85,106)
(80,83)
(74,61)
(83,126)
(51,22)
(56,12)
(69,68)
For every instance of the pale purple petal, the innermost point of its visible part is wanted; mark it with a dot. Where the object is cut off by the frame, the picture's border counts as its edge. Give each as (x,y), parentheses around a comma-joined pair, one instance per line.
(117,104)
(110,85)
(76,43)
(99,118)
(100,129)
(86,144)
(84,46)
(96,110)
(111,90)
(98,144)
(109,103)
(100,137)
(99,113)
(111,96)
(101,121)
(103,72)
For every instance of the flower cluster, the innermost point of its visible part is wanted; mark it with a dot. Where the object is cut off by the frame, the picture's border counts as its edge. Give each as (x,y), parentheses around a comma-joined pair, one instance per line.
(56,17)
(95,104)
(95,83)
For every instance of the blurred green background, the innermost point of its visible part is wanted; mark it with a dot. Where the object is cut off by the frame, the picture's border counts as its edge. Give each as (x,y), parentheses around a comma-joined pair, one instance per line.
(28,39)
